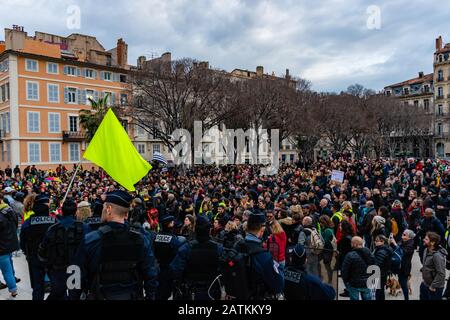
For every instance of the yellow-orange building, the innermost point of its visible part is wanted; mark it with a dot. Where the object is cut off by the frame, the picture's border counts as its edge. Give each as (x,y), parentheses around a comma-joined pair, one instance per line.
(45,80)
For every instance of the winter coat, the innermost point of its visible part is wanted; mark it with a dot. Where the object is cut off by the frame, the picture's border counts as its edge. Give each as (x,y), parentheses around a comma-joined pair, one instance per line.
(383,255)
(367,221)
(8,230)
(408,248)
(433,270)
(354,267)
(277,246)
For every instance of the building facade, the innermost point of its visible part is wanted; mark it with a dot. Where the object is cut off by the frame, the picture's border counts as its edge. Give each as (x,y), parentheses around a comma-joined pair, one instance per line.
(45,81)
(441,75)
(417,92)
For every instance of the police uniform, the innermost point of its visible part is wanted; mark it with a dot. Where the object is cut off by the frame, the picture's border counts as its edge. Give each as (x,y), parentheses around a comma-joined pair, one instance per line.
(196,264)
(166,246)
(95,222)
(265,278)
(31,235)
(299,285)
(59,246)
(117,261)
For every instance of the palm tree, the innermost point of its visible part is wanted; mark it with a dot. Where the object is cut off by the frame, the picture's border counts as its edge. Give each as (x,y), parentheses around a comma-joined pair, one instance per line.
(90,119)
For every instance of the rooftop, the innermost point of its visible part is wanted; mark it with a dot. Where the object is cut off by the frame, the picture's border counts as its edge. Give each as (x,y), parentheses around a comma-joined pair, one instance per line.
(420,79)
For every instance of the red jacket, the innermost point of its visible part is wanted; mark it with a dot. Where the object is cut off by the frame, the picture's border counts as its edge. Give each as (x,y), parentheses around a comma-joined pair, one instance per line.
(277,246)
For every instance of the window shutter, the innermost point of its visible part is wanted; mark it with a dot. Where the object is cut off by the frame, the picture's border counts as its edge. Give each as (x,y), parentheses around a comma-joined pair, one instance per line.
(102,75)
(78,72)
(83,72)
(116,77)
(66,69)
(95,96)
(79,96)
(113,98)
(83,97)
(66,95)
(94,74)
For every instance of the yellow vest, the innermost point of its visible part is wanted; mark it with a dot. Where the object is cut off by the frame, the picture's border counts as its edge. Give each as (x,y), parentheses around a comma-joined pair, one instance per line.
(338,215)
(27,215)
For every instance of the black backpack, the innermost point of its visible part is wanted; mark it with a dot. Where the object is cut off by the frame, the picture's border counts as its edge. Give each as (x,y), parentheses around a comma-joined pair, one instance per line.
(63,244)
(235,268)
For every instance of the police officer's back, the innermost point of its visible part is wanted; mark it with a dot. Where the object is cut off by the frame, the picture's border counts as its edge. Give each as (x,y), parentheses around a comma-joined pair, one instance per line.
(31,235)
(265,279)
(299,285)
(59,246)
(197,263)
(166,245)
(116,261)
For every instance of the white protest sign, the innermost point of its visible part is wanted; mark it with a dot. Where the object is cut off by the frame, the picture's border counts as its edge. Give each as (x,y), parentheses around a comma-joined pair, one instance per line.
(337,176)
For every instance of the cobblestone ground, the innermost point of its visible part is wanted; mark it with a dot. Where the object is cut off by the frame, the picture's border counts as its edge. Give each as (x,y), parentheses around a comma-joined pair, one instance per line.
(24,289)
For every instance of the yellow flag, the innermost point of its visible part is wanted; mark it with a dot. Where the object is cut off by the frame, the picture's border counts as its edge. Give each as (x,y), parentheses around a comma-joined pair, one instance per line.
(111,149)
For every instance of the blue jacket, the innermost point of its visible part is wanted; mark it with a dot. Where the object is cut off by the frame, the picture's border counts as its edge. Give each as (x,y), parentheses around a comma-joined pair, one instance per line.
(89,254)
(266,268)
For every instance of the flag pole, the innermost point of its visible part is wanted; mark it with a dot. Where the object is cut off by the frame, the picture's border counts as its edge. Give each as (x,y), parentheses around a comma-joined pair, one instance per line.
(71,181)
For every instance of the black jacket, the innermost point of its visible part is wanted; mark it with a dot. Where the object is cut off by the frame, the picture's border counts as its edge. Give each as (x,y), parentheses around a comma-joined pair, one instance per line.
(354,267)
(367,220)
(408,252)
(8,230)
(383,255)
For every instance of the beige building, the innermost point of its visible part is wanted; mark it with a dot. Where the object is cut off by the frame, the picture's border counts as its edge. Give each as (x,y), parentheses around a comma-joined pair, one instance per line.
(441,67)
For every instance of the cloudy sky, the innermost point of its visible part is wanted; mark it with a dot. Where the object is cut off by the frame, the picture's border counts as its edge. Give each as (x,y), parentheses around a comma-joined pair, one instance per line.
(332,43)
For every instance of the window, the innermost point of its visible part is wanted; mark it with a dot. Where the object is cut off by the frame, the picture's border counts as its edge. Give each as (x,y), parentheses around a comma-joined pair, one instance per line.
(72,71)
(8,151)
(73,123)
(439,128)
(34,152)
(8,122)
(52,68)
(416,103)
(440,110)
(440,92)
(406,91)
(32,91)
(123,78)
(53,123)
(426,105)
(33,121)
(141,148)
(440,58)
(291,158)
(4,92)
(53,93)
(70,95)
(107,76)
(124,124)
(283,158)
(440,75)
(156,148)
(427,88)
(90,94)
(31,65)
(123,98)
(55,152)
(388,93)
(89,73)
(74,152)
(140,131)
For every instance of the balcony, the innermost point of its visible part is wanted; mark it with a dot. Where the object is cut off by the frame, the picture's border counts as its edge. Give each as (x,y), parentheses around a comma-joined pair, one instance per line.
(74,136)
(442,135)
(440,97)
(439,79)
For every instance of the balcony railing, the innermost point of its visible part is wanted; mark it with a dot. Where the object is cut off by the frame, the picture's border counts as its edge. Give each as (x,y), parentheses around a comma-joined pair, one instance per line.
(439,79)
(439,97)
(442,135)
(73,136)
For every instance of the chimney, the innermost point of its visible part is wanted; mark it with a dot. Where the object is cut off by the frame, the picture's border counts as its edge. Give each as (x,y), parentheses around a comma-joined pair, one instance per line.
(259,71)
(140,62)
(439,43)
(122,53)
(421,74)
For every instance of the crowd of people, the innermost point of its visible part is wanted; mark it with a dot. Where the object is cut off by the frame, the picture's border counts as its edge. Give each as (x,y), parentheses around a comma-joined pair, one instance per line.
(229,232)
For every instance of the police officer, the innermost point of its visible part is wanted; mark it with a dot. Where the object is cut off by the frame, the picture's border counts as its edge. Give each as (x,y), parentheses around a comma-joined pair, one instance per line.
(197,264)
(59,246)
(31,235)
(116,261)
(94,222)
(166,245)
(265,281)
(299,285)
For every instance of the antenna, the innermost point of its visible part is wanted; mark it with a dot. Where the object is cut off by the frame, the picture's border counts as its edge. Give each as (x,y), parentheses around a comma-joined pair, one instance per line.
(152,55)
